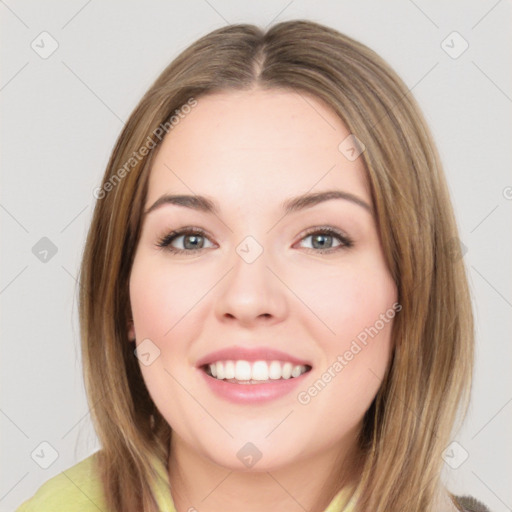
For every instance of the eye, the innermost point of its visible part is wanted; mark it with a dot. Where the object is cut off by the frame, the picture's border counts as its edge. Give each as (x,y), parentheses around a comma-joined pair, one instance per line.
(322,239)
(193,240)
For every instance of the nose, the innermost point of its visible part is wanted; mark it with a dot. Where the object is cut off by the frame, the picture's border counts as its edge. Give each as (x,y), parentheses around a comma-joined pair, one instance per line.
(251,294)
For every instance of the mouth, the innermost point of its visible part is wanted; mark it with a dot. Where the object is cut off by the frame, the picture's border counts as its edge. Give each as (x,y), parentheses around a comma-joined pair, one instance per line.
(253,375)
(254,372)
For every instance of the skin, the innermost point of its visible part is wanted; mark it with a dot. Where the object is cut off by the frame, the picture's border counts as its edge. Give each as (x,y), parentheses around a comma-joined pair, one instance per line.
(249,151)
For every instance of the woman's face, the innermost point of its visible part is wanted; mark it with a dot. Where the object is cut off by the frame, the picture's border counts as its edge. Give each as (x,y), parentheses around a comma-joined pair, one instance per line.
(259,278)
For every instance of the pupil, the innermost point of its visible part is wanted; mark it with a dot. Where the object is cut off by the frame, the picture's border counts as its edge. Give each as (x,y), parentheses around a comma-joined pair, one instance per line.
(320,237)
(193,245)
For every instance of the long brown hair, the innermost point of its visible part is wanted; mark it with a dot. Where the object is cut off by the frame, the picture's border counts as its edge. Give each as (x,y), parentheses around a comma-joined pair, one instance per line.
(428,381)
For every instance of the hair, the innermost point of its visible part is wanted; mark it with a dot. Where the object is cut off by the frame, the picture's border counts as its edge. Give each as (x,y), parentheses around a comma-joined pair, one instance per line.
(428,380)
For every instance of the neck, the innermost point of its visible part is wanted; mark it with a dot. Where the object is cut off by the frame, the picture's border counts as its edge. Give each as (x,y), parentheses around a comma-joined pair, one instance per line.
(197,483)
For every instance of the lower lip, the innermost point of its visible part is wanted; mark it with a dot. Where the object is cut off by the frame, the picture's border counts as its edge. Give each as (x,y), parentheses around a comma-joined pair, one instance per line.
(252,393)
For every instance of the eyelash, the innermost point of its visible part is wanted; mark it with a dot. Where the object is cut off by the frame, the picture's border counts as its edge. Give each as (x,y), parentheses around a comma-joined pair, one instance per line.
(166,240)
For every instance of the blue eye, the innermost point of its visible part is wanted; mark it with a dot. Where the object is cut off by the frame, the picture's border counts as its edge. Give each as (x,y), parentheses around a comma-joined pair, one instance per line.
(323,236)
(191,237)
(193,240)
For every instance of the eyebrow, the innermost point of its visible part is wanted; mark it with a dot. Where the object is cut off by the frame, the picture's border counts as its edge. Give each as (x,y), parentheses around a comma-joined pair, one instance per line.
(204,204)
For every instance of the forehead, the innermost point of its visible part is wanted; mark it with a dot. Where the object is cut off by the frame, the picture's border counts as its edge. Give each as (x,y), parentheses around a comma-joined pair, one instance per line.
(256,146)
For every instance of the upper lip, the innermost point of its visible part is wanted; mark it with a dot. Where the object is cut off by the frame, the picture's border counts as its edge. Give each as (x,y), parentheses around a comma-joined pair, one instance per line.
(237,353)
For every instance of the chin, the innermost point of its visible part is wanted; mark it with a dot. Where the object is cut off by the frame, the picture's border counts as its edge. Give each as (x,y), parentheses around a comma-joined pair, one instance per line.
(253,456)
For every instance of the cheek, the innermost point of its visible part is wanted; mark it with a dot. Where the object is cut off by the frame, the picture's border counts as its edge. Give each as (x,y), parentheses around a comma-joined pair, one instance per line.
(363,317)
(359,309)
(160,296)
(160,301)
(348,299)
(149,300)
(358,305)
(167,307)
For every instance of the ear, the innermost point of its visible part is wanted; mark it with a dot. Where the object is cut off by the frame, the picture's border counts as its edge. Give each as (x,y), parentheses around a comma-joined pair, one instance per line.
(131,331)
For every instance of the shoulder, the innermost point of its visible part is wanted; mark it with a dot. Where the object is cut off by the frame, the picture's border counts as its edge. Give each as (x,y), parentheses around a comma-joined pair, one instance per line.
(470,504)
(78,488)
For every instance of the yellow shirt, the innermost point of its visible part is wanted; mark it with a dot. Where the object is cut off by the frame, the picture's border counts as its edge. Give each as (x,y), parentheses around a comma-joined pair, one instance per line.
(79,489)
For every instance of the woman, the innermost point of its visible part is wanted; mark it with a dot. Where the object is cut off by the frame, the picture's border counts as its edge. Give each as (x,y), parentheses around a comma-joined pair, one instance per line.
(274,311)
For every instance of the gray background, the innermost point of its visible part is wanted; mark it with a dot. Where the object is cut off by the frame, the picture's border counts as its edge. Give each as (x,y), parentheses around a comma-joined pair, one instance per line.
(62,114)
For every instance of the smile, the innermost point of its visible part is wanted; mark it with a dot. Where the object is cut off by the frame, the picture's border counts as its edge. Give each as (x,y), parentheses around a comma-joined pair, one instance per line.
(274,379)
(249,372)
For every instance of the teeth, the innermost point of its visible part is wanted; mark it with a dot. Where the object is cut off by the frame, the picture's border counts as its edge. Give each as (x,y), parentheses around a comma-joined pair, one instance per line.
(242,370)
(255,371)
(287,370)
(220,372)
(274,370)
(259,370)
(229,370)
(296,371)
